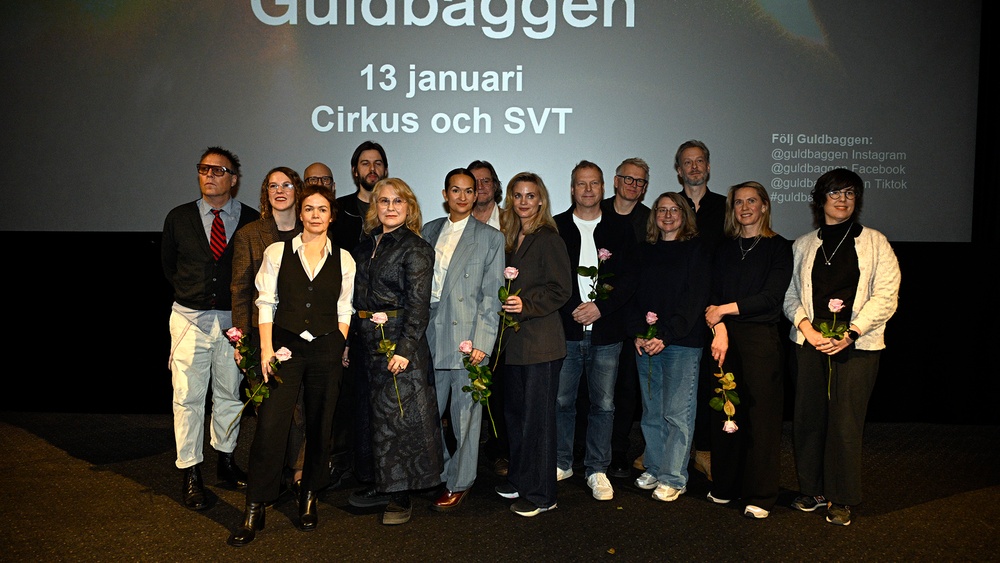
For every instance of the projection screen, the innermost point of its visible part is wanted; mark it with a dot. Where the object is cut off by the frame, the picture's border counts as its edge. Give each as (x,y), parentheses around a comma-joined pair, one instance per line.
(109,104)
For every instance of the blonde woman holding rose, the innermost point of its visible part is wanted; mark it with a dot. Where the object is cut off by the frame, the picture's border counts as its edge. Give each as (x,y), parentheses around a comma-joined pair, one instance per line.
(400,435)
(845,287)
(538,268)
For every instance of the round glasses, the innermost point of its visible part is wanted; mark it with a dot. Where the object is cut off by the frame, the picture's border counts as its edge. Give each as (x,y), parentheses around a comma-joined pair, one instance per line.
(287,186)
(629,180)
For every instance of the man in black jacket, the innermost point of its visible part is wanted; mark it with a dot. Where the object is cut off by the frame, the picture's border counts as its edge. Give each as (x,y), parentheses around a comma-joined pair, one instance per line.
(197,261)
(603,244)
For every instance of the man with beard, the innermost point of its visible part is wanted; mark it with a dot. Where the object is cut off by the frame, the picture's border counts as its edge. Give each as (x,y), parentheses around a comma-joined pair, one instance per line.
(368,165)
(693,171)
(351,443)
(489,193)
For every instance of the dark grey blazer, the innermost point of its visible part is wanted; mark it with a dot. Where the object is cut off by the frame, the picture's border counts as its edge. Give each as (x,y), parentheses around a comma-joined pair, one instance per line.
(545,284)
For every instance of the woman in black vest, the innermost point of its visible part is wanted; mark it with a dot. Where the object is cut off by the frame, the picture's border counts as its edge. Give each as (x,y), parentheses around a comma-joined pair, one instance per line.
(305,288)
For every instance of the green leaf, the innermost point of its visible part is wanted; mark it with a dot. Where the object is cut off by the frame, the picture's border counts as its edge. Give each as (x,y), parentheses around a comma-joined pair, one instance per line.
(717,403)
(503,293)
(733,397)
(588,271)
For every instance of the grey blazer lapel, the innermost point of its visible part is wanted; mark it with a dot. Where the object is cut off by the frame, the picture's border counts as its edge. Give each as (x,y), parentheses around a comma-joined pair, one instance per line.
(465,249)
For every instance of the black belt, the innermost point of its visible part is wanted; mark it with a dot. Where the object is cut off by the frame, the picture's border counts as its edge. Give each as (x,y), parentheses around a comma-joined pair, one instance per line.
(369,314)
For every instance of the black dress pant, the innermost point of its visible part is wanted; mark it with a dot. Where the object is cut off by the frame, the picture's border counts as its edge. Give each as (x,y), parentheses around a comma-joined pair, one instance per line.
(316,367)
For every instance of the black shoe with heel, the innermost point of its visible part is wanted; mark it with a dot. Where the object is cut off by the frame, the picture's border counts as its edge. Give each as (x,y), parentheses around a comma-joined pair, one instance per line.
(308,514)
(253,521)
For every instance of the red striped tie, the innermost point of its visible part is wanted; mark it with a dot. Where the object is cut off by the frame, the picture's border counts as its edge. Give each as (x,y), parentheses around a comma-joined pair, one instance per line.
(218,240)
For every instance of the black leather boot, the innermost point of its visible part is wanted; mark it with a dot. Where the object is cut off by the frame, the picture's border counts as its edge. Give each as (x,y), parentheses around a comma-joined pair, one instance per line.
(308,514)
(253,520)
(194,489)
(230,473)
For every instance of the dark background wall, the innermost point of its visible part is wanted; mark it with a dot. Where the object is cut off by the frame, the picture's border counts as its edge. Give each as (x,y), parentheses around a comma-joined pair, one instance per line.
(89,316)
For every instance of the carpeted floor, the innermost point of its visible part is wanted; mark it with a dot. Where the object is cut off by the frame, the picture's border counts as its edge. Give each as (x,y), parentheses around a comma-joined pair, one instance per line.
(100,487)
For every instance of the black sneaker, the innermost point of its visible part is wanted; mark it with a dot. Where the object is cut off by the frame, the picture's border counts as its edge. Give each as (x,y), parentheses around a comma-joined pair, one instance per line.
(506,490)
(525,508)
(367,498)
(838,514)
(619,469)
(807,503)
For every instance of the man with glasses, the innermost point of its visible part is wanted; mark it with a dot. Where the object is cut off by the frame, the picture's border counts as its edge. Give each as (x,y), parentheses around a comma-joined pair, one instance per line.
(197,256)
(631,182)
(317,174)
(693,171)
(593,323)
(489,193)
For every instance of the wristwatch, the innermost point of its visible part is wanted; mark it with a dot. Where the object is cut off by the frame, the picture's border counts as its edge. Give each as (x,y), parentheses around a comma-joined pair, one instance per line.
(853,334)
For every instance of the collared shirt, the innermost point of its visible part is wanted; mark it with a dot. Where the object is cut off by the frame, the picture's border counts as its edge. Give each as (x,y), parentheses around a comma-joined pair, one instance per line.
(267,280)
(209,320)
(444,249)
(230,217)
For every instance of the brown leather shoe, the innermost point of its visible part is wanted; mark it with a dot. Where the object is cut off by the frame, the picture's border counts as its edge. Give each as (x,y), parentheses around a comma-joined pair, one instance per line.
(501,466)
(449,500)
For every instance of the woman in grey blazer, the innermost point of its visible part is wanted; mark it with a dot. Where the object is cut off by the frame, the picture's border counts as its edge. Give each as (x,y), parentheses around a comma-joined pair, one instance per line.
(534,352)
(468,270)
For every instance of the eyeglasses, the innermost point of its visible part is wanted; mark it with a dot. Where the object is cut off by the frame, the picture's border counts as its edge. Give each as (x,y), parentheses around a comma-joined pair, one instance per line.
(384,202)
(204,170)
(841,194)
(287,186)
(667,210)
(485,182)
(315,180)
(639,182)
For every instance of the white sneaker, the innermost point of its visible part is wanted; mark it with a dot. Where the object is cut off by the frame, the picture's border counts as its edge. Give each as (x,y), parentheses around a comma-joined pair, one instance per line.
(563,474)
(717,500)
(752,511)
(667,493)
(599,484)
(646,481)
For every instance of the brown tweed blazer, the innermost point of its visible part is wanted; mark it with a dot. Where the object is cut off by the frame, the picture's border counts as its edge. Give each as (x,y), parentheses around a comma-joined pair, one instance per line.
(249,243)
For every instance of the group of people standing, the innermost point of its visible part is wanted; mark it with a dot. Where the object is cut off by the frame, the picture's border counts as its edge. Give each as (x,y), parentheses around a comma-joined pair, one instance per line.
(384,316)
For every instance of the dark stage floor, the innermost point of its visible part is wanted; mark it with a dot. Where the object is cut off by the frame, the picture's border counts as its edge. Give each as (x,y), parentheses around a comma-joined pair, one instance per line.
(100,487)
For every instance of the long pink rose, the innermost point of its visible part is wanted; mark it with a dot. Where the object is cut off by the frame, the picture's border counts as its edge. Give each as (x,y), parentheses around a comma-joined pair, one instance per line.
(465,347)
(836,305)
(651,318)
(380,318)
(510,273)
(603,254)
(729,426)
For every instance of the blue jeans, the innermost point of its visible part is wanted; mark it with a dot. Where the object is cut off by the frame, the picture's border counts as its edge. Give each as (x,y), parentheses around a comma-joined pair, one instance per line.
(668,383)
(601,366)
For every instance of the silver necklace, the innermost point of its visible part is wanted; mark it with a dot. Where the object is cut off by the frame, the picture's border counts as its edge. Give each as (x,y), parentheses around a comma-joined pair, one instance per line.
(756,239)
(834,253)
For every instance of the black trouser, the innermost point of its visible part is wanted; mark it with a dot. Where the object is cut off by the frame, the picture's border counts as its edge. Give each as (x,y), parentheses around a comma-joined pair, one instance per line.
(316,367)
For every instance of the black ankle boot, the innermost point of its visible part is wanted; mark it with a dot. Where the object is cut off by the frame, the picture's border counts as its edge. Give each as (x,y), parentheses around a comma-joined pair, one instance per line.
(308,514)
(253,520)
(229,472)
(194,489)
